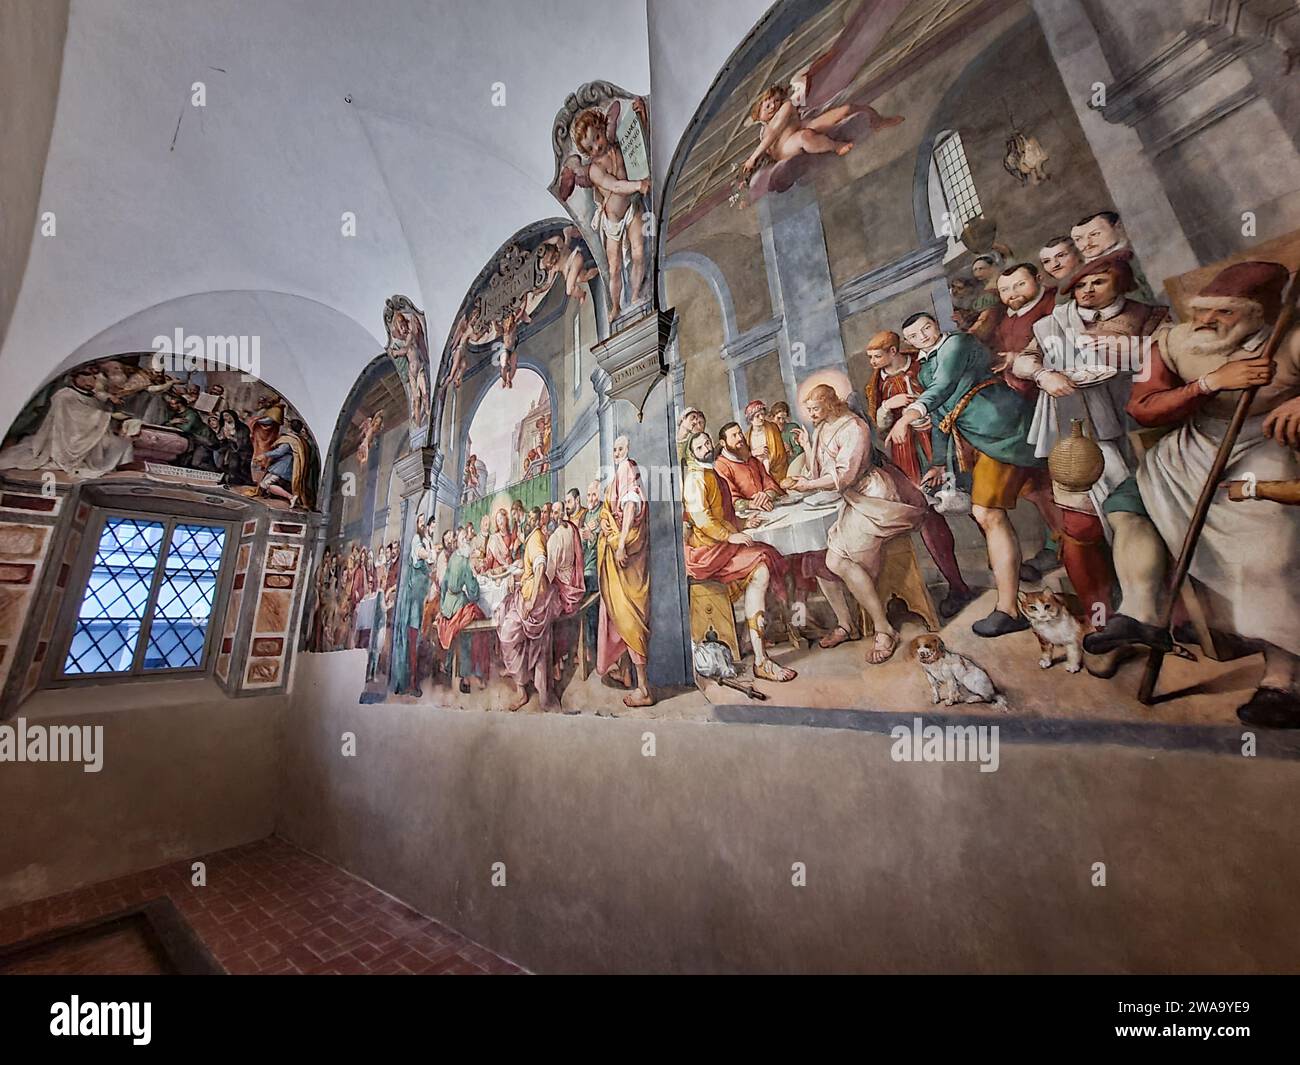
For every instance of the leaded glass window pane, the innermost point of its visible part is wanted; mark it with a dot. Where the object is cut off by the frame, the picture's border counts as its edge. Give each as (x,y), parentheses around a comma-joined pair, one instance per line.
(157,578)
(958,183)
(185,596)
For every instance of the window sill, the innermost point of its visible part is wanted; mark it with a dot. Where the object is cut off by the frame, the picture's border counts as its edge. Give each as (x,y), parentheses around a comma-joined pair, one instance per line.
(78,700)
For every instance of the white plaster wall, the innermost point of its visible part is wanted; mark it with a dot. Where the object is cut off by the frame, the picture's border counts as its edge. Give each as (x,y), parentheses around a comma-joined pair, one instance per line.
(249,195)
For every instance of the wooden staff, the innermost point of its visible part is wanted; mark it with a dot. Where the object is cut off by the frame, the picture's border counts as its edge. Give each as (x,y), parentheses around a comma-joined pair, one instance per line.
(1156,657)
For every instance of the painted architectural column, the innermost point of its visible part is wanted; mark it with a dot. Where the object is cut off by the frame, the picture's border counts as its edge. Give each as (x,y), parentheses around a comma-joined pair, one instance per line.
(799,280)
(604,416)
(652,444)
(1131,179)
(676,379)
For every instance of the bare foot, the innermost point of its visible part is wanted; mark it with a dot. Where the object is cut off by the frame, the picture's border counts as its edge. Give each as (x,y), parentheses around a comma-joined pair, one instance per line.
(844,148)
(640,697)
(883,648)
(520,699)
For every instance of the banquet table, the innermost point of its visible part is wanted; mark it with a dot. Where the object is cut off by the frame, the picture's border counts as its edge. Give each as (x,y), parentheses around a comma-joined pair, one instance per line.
(802,526)
(796,527)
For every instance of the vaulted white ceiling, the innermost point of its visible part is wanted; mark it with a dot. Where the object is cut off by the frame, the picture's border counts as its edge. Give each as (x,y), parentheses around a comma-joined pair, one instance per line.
(227,217)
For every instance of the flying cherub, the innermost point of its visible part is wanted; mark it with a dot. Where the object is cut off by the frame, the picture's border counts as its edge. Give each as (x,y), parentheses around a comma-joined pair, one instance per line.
(509,342)
(619,217)
(566,254)
(371,426)
(799,123)
(505,330)
(469,329)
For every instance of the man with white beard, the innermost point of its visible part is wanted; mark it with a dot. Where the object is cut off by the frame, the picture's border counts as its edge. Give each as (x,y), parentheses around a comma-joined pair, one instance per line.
(1246,558)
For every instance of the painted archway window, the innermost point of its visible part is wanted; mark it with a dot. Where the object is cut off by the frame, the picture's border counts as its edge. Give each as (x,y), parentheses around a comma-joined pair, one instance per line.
(958,183)
(954,199)
(508,448)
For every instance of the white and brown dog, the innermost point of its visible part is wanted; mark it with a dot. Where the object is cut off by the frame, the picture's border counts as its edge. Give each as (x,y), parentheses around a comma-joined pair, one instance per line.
(953,677)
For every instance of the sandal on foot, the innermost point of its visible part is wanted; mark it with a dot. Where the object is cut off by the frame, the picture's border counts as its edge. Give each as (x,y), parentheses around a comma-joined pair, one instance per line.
(828,641)
(770,670)
(879,654)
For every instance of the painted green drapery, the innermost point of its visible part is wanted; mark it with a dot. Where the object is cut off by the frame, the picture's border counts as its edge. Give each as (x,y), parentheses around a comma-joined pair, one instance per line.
(531,493)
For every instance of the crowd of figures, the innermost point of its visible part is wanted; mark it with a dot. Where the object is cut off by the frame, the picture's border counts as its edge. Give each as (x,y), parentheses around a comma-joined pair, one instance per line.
(518,594)
(1066,386)
(114,414)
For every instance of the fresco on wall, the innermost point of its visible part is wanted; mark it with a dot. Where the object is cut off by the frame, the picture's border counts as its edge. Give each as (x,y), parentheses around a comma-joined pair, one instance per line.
(938,437)
(506,302)
(522,579)
(602,145)
(963,455)
(509,441)
(129,415)
(813,116)
(354,582)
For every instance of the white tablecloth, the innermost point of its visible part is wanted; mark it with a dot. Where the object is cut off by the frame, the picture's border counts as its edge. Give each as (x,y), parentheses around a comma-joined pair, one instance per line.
(795,529)
(491,591)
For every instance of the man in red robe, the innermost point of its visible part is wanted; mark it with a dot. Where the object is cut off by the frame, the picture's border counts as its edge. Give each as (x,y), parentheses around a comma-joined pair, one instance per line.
(751,483)
(718,548)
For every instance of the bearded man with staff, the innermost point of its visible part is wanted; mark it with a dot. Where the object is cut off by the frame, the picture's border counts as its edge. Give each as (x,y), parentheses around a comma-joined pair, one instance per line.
(1217,381)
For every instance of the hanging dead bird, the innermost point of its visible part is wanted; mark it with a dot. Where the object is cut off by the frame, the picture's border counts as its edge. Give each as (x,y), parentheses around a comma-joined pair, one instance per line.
(713,659)
(1026,158)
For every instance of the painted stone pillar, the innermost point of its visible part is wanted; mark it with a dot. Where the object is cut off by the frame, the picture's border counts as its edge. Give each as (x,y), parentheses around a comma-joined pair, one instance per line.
(635,397)
(1131,179)
(799,280)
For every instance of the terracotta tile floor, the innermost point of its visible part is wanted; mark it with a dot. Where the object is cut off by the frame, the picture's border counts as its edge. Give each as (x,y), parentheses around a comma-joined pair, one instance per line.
(271,908)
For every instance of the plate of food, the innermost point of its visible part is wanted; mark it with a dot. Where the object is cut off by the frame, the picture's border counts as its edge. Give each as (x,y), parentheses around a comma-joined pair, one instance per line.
(1083,376)
(824,498)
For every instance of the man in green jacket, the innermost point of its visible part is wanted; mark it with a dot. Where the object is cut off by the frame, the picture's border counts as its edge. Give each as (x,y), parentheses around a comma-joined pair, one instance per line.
(415,579)
(458,607)
(963,400)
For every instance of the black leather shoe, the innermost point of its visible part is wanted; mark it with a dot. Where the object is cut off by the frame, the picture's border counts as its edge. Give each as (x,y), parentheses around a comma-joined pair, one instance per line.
(1122,629)
(1271,708)
(999,623)
(953,604)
